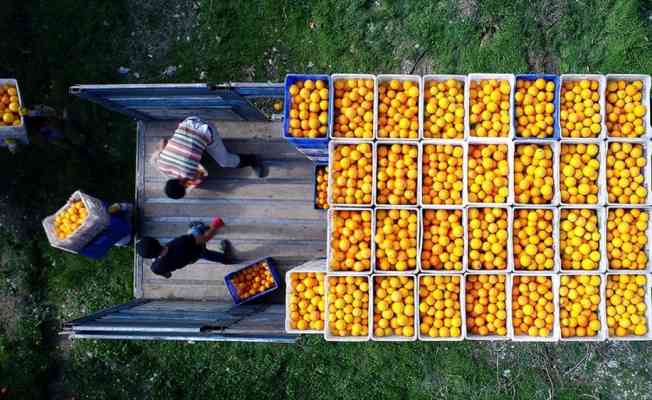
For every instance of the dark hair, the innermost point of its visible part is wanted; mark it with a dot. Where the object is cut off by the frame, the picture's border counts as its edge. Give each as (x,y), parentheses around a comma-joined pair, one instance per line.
(174,189)
(148,247)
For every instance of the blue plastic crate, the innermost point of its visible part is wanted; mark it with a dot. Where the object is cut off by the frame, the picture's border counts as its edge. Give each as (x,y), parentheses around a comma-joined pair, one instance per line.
(556,130)
(234,293)
(318,164)
(289,80)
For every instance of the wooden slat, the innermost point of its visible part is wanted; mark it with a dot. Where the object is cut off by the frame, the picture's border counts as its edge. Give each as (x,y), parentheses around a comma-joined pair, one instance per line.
(239,189)
(278,169)
(166,291)
(290,210)
(243,229)
(274,150)
(227,129)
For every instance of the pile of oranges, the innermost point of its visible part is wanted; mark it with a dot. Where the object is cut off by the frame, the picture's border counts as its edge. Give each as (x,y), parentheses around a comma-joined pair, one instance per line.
(579,301)
(579,235)
(350,241)
(398,110)
(580,109)
(488,173)
(443,240)
(396,239)
(486,305)
(394,309)
(533,175)
(533,309)
(487,236)
(397,174)
(627,238)
(9,105)
(353,108)
(348,305)
(534,108)
(490,102)
(440,312)
(67,221)
(306,302)
(444,112)
(626,163)
(626,308)
(533,240)
(253,280)
(352,174)
(308,109)
(579,170)
(442,174)
(625,111)
(321,195)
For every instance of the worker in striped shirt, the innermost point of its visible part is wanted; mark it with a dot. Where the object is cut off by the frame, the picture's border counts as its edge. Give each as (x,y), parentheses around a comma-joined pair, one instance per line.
(179,158)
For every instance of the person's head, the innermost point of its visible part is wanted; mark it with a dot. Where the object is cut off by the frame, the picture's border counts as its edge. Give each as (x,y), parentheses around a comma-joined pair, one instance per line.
(148,247)
(175,189)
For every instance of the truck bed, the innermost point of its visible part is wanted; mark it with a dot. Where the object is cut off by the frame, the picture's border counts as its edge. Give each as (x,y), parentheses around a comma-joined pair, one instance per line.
(272,216)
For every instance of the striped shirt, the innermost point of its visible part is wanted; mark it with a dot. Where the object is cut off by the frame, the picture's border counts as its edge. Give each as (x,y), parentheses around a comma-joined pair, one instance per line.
(181,156)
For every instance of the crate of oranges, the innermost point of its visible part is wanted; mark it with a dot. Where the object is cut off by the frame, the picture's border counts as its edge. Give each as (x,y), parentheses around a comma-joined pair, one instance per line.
(351,173)
(490,106)
(582,238)
(443,178)
(12,123)
(397,173)
(582,307)
(536,172)
(490,172)
(535,307)
(305,297)
(306,108)
(399,107)
(487,306)
(320,187)
(394,308)
(582,106)
(441,307)
(350,246)
(628,106)
(627,171)
(353,105)
(77,223)
(581,172)
(348,308)
(628,238)
(628,306)
(444,107)
(534,239)
(254,280)
(536,102)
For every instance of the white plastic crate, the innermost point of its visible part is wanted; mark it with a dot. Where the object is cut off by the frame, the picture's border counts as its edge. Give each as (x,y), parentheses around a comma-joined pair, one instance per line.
(555,235)
(645,100)
(602,82)
(511,79)
(376,168)
(556,332)
(400,77)
(510,173)
(602,228)
(328,336)
(602,312)
(427,338)
(645,169)
(510,247)
(460,143)
(310,266)
(331,147)
(440,78)
(372,245)
(394,338)
(422,235)
(602,172)
(508,308)
(18,133)
(411,271)
(554,145)
(648,245)
(331,104)
(648,306)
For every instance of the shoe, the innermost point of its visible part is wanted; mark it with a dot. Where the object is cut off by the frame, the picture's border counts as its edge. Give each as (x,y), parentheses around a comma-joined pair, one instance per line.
(250,160)
(224,247)
(260,169)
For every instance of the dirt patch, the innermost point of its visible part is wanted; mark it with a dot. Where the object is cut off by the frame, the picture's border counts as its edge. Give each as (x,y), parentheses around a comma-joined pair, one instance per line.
(468,8)
(8,316)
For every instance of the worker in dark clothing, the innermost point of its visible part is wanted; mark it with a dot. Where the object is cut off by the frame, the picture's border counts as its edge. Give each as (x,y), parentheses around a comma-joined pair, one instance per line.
(185,249)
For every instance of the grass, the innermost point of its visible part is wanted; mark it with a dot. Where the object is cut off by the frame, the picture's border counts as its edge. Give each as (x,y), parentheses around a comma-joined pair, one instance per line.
(57,44)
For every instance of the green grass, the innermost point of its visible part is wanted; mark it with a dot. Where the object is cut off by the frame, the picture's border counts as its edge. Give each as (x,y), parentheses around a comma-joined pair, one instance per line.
(58,43)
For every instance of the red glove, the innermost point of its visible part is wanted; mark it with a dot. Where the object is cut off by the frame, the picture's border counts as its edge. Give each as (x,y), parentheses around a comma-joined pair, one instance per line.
(217,223)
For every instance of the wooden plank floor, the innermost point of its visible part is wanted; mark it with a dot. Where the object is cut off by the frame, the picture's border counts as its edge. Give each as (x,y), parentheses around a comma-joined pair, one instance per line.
(273,216)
